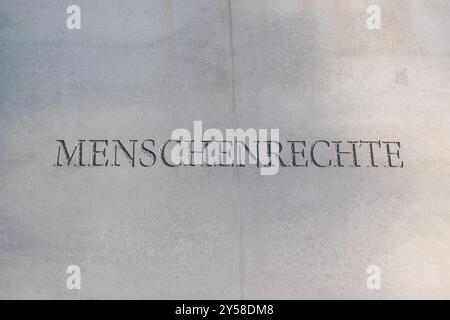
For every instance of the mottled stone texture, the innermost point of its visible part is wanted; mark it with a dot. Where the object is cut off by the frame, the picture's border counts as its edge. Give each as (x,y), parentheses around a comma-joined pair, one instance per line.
(139,69)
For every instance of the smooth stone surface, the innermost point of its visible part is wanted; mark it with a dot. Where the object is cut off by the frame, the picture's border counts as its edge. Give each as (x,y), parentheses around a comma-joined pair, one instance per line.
(140,69)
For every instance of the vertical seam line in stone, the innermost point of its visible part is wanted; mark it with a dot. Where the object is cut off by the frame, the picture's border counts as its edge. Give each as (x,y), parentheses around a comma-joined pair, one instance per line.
(235,117)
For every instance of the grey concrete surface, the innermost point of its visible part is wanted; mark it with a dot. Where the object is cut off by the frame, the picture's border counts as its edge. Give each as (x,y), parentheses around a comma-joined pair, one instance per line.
(140,69)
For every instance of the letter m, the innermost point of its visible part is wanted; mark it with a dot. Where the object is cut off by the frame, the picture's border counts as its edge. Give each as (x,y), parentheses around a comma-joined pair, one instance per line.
(69,156)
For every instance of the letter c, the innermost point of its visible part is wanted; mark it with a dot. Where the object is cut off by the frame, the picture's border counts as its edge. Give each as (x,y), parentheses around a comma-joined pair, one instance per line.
(313,158)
